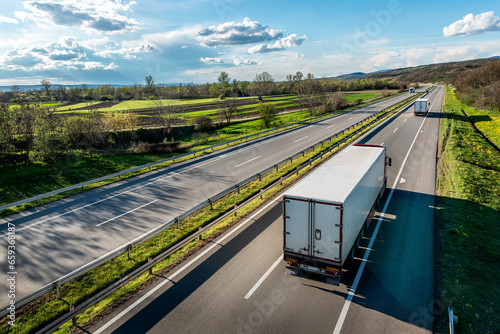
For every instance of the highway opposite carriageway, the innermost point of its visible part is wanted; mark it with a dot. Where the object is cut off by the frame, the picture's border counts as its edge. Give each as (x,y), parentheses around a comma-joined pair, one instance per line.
(207,293)
(57,238)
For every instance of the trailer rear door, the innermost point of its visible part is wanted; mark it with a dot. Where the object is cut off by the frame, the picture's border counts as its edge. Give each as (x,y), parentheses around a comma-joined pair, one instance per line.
(326,231)
(296,226)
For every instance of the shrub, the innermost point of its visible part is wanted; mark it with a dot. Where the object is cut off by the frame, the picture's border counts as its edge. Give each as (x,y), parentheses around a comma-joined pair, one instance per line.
(202,123)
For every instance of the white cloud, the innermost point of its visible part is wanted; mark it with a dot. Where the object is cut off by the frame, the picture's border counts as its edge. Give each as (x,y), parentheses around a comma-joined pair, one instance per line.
(238,61)
(473,24)
(231,33)
(4,19)
(455,54)
(101,16)
(280,45)
(65,53)
(215,60)
(169,38)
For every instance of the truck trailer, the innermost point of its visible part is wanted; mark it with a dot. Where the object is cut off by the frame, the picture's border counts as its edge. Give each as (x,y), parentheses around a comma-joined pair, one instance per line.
(421,107)
(326,214)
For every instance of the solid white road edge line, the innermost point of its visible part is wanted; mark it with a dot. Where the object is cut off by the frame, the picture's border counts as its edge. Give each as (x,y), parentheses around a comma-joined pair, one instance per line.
(350,296)
(126,213)
(187,265)
(247,162)
(262,279)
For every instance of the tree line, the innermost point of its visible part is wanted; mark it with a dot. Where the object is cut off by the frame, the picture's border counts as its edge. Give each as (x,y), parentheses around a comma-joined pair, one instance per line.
(225,86)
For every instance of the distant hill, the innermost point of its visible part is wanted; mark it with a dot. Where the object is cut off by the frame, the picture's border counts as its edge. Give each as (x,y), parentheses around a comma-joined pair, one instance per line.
(443,72)
(351,76)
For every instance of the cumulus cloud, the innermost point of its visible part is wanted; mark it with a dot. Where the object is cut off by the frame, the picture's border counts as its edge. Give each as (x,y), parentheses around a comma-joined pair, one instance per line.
(231,33)
(208,60)
(68,53)
(280,45)
(101,16)
(473,24)
(4,19)
(238,61)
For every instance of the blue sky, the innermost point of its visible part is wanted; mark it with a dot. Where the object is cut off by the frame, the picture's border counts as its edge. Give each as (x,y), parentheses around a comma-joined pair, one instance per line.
(120,42)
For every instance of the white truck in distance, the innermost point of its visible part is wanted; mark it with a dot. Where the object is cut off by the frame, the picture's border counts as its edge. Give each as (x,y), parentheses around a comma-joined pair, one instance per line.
(326,214)
(421,107)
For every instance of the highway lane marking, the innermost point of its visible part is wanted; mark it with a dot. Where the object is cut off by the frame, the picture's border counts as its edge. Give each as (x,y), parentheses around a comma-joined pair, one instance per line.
(350,118)
(301,139)
(395,130)
(331,126)
(187,265)
(263,278)
(153,182)
(405,120)
(382,144)
(352,291)
(247,162)
(126,213)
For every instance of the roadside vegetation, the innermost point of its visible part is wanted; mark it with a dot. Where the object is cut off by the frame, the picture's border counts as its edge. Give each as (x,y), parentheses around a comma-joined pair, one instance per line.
(467,262)
(37,314)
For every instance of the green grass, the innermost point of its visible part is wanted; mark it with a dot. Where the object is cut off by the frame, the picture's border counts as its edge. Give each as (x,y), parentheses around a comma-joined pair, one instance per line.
(467,226)
(42,310)
(77,106)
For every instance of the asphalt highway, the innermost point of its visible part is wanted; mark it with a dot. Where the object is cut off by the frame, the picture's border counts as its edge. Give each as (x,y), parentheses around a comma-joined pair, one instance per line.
(60,237)
(239,284)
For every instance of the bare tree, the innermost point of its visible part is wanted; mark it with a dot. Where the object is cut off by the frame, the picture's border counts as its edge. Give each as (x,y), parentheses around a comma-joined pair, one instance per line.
(150,84)
(167,114)
(227,108)
(15,89)
(262,83)
(46,87)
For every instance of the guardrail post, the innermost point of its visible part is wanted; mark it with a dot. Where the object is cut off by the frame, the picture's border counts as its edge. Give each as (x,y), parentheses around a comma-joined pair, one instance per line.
(177,222)
(83,187)
(211,204)
(201,235)
(238,188)
(276,166)
(303,154)
(58,284)
(150,269)
(129,249)
(260,176)
(291,160)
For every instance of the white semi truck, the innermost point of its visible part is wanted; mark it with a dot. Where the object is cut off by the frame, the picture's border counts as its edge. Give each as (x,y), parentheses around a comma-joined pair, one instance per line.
(421,107)
(326,214)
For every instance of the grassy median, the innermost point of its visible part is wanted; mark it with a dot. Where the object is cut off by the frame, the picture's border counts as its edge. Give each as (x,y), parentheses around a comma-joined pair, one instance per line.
(467,226)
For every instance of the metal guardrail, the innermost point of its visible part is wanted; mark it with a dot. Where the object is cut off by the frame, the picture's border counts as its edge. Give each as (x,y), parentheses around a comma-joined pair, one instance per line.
(212,147)
(55,285)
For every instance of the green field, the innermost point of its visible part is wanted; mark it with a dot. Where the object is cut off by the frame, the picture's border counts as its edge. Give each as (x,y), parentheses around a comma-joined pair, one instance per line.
(467,251)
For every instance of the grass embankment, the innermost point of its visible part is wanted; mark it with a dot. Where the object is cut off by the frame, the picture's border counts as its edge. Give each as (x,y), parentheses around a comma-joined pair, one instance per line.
(25,180)
(41,311)
(486,121)
(467,225)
